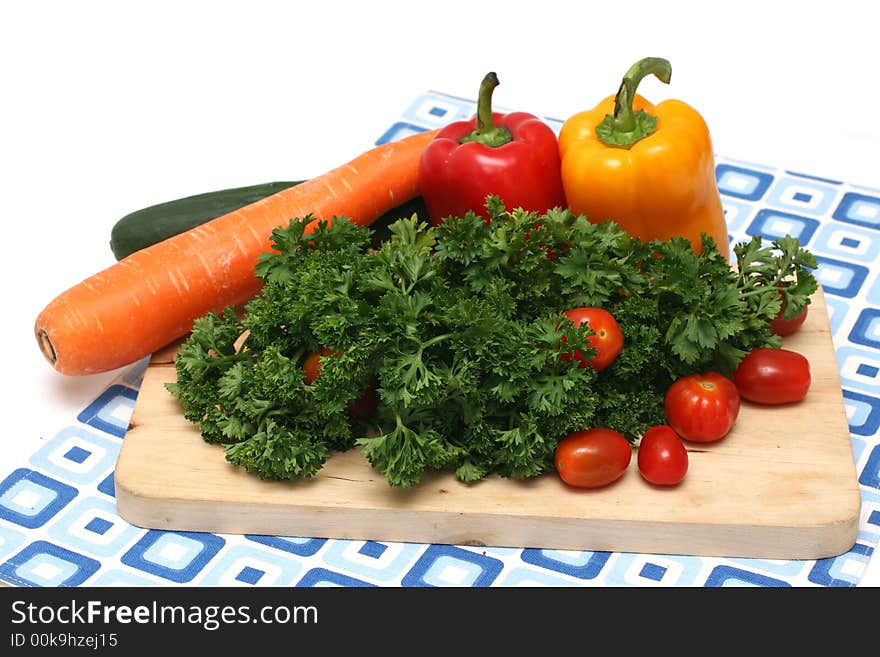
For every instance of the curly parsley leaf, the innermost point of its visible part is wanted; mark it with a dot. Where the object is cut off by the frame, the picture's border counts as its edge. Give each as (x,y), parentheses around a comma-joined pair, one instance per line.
(460,329)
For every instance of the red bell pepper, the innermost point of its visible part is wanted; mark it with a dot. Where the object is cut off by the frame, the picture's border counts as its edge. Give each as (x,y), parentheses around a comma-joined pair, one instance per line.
(514,156)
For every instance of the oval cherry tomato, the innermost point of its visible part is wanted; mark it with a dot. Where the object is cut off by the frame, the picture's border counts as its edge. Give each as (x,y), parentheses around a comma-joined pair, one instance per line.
(363,406)
(662,457)
(592,458)
(702,407)
(773,376)
(312,363)
(781,326)
(607,341)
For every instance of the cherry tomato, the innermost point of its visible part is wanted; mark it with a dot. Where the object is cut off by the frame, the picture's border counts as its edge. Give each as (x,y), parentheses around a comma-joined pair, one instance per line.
(363,406)
(592,458)
(702,407)
(312,363)
(773,376)
(608,339)
(782,326)
(662,457)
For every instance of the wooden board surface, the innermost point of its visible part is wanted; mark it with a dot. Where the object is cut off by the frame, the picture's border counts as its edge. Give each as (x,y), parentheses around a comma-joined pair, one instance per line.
(781,485)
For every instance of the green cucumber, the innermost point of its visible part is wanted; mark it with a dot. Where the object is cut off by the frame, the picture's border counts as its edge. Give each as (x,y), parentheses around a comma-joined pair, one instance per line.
(148,226)
(415,206)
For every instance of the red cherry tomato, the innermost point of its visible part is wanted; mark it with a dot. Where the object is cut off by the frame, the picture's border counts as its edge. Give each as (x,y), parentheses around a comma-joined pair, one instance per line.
(782,326)
(662,457)
(592,458)
(607,341)
(702,407)
(773,376)
(312,363)
(363,406)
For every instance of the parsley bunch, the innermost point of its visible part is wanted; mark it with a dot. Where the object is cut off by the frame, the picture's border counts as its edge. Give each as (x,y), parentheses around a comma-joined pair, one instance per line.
(460,326)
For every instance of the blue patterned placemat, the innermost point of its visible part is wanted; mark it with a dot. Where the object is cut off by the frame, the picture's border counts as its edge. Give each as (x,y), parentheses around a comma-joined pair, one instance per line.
(58,521)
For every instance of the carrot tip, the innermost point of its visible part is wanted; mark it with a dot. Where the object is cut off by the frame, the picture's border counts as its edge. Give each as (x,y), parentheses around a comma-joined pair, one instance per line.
(46,346)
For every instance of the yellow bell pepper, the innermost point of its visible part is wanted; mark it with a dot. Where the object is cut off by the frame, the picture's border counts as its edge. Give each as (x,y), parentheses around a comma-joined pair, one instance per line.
(650,168)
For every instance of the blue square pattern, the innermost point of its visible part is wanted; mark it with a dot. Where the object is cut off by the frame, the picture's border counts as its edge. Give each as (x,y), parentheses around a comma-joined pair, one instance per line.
(803,196)
(632,569)
(583,565)
(863,414)
(111,411)
(175,556)
(399,130)
(871,472)
(30,499)
(108,485)
(376,562)
(850,243)
(323,577)
(99,526)
(249,575)
(858,368)
(437,111)
(772,224)
(44,564)
(303,547)
(451,566)
(90,526)
(652,571)
(840,278)
(859,209)
(522,576)
(730,576)
(242,563)
(373,549)
(836,571)
(77,454)
(740,182)
(866,330)
(737,214)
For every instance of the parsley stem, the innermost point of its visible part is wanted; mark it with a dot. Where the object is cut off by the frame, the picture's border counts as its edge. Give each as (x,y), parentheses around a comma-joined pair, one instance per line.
(763,289)
(435,340)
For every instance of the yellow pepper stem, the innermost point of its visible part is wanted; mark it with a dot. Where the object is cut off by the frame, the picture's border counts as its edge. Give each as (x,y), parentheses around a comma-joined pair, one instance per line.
(625,127)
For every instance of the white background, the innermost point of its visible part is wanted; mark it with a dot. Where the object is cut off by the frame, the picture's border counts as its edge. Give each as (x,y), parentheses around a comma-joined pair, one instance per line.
(107,107)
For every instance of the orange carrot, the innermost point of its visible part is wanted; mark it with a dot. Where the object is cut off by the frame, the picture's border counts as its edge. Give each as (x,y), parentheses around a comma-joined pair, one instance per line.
(149,299)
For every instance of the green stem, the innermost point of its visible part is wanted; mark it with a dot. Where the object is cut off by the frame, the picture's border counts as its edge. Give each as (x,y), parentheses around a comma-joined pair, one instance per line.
(486,132)
(761,290)
(625,127)
(435,340)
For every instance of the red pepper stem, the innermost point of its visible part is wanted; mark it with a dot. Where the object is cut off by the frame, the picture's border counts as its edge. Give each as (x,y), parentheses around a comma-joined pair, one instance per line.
(486,132)
(625,127)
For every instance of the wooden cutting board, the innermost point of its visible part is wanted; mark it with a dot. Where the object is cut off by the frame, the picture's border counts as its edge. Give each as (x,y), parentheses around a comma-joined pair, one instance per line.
(781,485)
